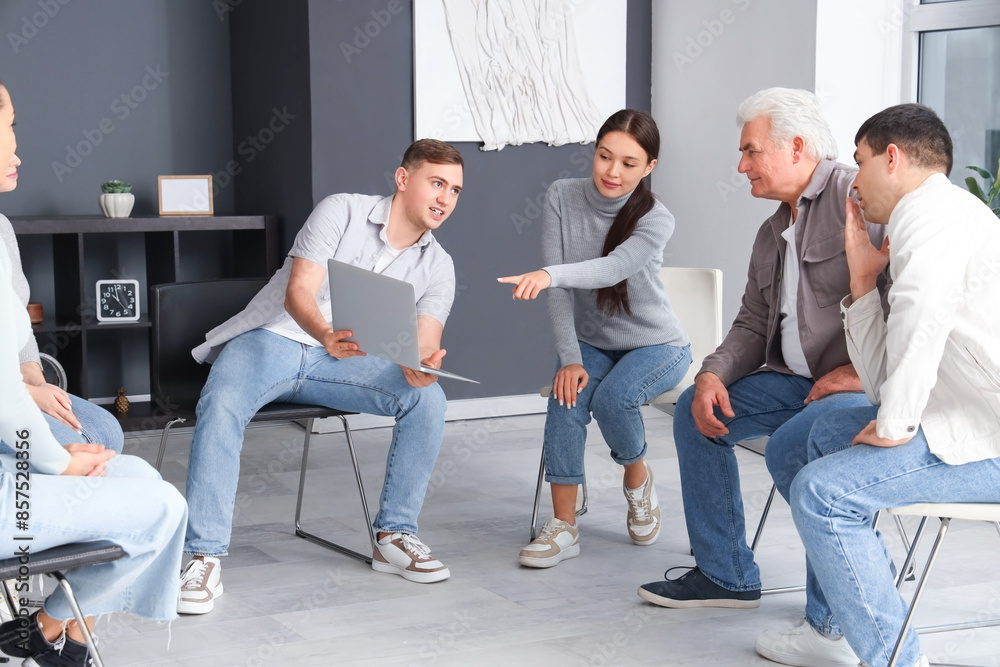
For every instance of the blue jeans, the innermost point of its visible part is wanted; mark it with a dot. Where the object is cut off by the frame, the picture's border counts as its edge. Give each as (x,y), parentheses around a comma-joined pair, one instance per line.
(98,425)
(260,367)
(131,507)
(786,462)
(766,404)
(619,383)
(833,500)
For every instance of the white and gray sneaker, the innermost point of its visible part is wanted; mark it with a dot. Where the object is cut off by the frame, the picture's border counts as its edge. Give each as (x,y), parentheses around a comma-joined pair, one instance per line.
(805,647)
(201,583)
(643,511)
(407,556)
(556,542)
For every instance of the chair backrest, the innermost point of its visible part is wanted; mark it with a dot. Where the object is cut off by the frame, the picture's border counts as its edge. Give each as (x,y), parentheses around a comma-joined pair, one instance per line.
(696,297)
(181,314)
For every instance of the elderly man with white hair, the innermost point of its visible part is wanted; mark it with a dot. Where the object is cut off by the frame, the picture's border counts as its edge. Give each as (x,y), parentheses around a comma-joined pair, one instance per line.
(783,364)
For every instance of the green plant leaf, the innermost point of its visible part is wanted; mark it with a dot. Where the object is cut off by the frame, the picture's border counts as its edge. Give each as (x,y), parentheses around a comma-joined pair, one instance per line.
(982,172)
(974,188)
(995,190)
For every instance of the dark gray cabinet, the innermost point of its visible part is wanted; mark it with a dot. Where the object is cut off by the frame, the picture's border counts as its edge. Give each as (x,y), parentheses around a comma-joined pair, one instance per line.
(64,257)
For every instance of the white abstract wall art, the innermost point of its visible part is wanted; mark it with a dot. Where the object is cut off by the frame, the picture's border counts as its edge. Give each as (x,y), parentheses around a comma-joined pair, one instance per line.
(507,72)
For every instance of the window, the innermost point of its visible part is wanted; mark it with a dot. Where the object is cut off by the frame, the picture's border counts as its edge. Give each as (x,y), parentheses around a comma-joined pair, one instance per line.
(951,63)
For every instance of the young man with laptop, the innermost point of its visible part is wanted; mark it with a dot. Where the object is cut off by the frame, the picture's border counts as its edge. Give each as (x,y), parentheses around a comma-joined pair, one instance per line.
(282,347)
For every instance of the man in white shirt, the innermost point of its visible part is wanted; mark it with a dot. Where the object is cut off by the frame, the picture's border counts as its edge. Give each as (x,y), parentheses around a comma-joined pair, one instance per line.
(930,367)
(282,348)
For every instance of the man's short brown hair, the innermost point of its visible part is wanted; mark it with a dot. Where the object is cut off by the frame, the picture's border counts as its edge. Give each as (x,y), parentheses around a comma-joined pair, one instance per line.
(430,150)
(915,129)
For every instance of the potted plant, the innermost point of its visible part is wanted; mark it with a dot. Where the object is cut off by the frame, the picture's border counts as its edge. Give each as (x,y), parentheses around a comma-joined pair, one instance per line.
(992,191)
(116,199)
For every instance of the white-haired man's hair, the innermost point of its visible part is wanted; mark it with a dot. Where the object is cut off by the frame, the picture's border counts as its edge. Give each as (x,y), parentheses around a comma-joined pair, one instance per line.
(793,113)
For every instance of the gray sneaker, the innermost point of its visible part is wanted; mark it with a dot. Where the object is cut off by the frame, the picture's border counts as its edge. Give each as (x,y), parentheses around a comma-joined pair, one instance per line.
(407,556)
(201,583)
(555,543)
(643,511)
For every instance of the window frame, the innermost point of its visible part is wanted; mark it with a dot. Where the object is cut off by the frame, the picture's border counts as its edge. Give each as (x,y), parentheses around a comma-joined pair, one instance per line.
(936,17)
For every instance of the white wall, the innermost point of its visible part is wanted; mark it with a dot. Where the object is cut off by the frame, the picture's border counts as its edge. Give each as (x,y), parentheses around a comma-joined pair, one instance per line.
(859,46)
(708,56)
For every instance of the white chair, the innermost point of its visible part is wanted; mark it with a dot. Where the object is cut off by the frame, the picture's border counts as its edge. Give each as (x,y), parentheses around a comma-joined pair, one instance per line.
(696,296)
(945,512)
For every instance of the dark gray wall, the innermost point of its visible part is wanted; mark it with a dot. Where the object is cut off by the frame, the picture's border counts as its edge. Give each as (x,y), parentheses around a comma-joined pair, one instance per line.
(67,71)
(362,120)
(708,56)
(272,130)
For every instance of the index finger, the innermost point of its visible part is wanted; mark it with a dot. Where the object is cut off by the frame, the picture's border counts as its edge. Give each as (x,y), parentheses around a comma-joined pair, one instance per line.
(510,279)
(341,335)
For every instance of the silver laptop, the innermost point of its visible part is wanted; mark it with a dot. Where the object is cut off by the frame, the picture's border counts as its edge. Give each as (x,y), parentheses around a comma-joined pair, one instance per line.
(382,314)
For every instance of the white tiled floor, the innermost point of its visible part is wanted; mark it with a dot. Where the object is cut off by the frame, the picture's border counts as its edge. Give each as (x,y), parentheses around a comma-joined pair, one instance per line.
(290,602)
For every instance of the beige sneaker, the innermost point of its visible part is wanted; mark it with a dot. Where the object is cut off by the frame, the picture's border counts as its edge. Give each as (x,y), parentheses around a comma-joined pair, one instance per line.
(410,558)
(201,583)
(643,511)
(555,543)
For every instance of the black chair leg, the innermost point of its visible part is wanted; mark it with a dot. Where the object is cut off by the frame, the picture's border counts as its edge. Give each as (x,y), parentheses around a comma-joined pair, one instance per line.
(80,620)
(538,496)
(361,490)
(163,440)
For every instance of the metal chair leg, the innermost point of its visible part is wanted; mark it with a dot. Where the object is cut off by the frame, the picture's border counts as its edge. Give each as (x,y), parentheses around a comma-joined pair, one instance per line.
(361,490)
(901,575)
(945,522)
(538,496)
(81,621)
(763,518)
(756,540)
(8,598)
(163,440)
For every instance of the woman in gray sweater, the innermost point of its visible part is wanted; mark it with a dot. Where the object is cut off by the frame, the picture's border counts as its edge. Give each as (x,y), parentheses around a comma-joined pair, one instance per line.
(618,340)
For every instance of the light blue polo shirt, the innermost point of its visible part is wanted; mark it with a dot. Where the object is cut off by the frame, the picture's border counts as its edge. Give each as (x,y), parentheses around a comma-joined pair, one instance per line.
(349,228)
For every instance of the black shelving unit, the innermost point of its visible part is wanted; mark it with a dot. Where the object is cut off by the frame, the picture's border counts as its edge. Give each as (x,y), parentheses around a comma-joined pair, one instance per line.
(63,257)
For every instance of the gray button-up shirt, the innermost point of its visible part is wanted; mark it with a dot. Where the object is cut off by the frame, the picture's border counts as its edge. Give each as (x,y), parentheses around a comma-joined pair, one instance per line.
(349,228)
(754,342)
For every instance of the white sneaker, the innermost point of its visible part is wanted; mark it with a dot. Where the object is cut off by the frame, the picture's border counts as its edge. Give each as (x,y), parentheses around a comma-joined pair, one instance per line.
(407,556)
(643,511)
(201,583)
(555,543)
(804,647)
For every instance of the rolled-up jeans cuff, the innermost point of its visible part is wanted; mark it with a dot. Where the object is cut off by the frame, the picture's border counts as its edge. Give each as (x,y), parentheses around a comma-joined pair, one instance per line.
(566,481)
(627,462)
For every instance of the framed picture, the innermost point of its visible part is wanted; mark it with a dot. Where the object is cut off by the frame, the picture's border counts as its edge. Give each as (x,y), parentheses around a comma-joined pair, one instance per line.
(186,195)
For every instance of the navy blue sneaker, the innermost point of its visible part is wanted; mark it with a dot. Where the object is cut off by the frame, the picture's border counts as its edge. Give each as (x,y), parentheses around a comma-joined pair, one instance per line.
(694,589)
(71,654)
(21,637)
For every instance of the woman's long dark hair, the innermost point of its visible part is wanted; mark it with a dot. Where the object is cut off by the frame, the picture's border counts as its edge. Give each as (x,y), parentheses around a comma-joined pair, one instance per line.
(641,127)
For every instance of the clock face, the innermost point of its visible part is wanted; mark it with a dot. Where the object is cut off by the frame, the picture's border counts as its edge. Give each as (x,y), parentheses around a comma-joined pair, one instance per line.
(117,300)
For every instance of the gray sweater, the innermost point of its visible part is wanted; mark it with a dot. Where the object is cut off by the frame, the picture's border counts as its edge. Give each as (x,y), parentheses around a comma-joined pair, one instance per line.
(575,224)
(30,350)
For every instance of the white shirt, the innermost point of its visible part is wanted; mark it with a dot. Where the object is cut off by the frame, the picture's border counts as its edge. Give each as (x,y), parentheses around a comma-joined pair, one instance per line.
(791,344)
(289,328)
(936,362)
(18,413)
